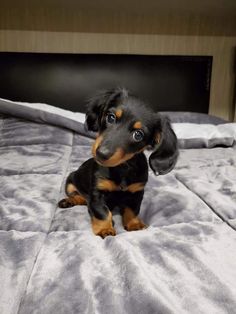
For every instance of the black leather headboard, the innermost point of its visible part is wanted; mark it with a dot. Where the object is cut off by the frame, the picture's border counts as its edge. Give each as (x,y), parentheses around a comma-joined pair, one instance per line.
(167,83)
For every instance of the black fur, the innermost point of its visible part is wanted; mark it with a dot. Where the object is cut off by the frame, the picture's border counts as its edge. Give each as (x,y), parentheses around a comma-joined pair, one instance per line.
(118,155)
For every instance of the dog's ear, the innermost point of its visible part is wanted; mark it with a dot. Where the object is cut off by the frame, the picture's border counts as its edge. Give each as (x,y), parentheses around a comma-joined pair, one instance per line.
(165,145)
(99,103)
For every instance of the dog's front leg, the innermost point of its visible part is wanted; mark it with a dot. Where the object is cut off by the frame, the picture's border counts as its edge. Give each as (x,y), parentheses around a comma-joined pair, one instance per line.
(130,211)
(101,216)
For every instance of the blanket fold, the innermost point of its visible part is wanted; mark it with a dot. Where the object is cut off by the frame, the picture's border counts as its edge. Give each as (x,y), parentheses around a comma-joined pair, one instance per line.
(51,262)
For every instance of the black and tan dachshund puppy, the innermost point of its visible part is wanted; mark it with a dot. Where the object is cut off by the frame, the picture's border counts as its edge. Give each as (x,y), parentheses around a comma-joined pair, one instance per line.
(116,175)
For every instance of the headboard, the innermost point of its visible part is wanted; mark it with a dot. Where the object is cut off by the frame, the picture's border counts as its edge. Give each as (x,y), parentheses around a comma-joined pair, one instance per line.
(167,83)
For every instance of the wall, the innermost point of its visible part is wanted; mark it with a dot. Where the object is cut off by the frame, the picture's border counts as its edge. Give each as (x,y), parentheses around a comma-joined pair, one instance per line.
(67,31)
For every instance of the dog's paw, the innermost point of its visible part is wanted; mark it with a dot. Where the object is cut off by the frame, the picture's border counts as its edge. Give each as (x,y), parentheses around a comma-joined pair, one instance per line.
(65,203)
(106,232)
(135,224)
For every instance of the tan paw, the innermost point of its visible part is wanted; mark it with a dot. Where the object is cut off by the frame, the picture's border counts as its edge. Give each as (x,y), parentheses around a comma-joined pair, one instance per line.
(135,225)
(106,232)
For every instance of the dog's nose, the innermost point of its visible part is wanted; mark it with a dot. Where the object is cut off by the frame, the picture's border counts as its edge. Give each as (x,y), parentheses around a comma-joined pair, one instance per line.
(103,153)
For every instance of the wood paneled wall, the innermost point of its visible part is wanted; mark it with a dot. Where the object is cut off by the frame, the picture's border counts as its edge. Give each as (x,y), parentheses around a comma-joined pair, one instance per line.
(180,36)
(69,18)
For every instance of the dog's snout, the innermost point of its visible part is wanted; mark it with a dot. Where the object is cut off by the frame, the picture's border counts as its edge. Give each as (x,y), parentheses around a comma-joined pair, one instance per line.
(103,153)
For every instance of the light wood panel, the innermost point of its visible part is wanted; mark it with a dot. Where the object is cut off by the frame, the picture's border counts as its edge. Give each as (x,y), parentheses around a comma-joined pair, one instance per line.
(72,19)
(221,48)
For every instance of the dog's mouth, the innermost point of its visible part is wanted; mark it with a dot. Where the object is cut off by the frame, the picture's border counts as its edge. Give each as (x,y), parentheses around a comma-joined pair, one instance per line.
(109,160)
(118,158)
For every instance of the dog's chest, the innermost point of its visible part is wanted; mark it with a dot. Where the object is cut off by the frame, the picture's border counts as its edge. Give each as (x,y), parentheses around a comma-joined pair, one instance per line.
(122,183)
(124,179)
(129,177)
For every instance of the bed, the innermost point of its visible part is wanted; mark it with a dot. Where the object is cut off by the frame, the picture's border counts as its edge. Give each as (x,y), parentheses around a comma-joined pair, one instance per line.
(51,262)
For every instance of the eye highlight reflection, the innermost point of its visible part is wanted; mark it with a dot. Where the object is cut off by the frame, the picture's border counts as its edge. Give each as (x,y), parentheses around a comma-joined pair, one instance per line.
(110,118)
(138,135)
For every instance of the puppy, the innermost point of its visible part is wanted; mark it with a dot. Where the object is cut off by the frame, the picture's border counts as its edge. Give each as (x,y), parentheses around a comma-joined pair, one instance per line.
(117,173)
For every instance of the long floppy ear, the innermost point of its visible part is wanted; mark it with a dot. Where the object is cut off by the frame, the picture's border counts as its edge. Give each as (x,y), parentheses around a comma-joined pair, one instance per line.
(99,103)
(165,144)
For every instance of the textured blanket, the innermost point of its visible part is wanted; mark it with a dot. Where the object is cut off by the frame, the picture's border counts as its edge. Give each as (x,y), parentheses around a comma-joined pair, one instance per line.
(51,262)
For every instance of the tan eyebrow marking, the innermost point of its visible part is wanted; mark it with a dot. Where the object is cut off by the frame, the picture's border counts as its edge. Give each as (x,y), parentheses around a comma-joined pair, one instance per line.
(137,125)
(119,113)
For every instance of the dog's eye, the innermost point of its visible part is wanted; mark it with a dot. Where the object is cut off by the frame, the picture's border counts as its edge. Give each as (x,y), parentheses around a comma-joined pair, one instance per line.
(111,118)
(138,135)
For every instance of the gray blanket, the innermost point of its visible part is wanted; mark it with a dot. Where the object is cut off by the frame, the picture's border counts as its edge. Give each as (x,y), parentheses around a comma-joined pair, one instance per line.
(50,261)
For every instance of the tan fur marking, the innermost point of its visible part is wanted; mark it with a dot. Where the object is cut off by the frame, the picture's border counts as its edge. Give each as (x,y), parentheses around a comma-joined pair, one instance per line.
(103,228)
(96,144)
(72,200)
(135,187)
(119,113)
(116,159)
(77,200)
(107,185)
(128,215)
(126,157)
(137,125)
(70,189)
(132,222)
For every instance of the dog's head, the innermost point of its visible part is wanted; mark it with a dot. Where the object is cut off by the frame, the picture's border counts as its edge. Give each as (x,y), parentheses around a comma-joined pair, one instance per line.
(127,127)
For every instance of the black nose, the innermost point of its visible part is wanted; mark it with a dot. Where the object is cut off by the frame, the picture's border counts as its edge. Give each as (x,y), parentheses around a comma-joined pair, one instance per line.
(103,153)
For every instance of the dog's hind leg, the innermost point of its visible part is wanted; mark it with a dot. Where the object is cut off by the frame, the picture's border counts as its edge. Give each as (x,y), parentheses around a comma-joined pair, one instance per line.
(74,198)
